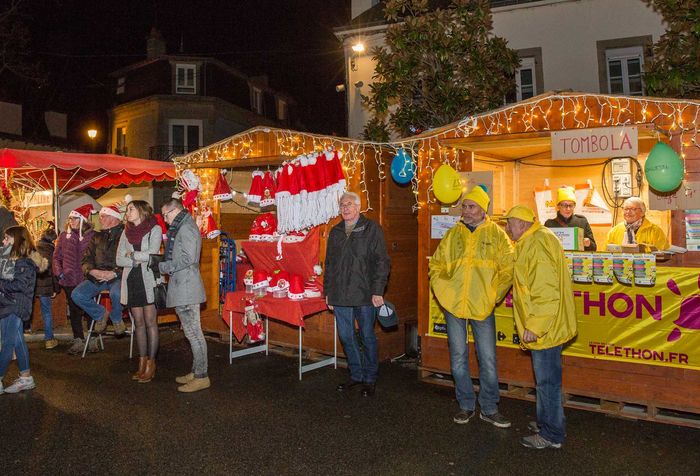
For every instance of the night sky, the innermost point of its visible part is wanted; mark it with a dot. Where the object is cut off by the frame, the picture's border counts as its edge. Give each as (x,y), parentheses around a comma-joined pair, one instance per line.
(80,42)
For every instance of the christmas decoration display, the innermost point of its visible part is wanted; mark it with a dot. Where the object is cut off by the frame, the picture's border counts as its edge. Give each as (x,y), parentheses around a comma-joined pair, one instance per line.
(263,228)
(222,190)
(663,168)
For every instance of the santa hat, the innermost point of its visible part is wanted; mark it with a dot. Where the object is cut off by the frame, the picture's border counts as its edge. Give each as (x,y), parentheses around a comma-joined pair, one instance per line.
(83,213)
(189,199)
(279,281)
(268,226)
(256,188)
(212,228)
(255,232)
(260,280)
(295,236)
(112,211)
(296,288)
(268,193)
(312,288)
(222,191)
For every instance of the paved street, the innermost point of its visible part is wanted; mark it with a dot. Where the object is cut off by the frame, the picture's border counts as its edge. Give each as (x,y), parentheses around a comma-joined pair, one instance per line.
(88,417)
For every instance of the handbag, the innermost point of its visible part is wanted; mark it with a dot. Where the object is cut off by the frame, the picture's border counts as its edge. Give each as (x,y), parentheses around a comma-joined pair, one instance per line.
(160,295)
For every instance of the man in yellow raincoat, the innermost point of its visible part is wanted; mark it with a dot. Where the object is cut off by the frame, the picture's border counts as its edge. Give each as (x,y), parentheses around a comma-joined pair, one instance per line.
(545,316)
(636,229)
(470,272)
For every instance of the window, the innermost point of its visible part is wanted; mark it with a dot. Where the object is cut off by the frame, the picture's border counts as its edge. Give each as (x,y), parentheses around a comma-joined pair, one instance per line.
(185,135)
(281,110)
(120,141)
(525,85)
(256,100)
(624,67)
(186,79)
(120,85)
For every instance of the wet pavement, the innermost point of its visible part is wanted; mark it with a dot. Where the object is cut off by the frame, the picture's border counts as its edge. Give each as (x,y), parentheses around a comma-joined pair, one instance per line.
(87,416)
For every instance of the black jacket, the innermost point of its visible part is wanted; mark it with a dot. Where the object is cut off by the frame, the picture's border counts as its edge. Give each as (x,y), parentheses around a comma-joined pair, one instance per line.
(357,267)
(575,220)
(46,282)
(101,253)
(17,294)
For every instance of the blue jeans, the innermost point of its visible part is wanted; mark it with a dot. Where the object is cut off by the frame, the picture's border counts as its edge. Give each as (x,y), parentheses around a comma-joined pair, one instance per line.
(84,296)
(46,316)
(550,411)
(12,340)
(363,357)
(485,340)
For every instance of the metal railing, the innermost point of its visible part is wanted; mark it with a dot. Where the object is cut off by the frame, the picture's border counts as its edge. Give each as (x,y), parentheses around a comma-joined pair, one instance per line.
(165,153)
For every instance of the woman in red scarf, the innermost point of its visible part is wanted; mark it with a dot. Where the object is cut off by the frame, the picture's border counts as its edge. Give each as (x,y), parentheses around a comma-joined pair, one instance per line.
(141,238)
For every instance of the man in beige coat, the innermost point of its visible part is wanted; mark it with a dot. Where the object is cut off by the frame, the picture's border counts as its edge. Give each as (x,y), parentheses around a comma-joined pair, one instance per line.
(185,287)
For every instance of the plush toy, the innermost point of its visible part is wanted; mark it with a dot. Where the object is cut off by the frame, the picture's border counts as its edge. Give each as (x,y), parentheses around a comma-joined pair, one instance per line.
(254,325)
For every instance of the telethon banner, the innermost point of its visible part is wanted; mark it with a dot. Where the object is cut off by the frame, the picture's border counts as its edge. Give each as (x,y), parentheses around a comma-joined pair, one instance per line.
(653,325)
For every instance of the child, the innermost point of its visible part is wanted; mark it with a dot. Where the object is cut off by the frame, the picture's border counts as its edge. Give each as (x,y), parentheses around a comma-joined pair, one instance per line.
(47,285)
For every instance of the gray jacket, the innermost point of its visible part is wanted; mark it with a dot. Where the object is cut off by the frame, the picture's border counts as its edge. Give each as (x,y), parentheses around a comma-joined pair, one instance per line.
(150,244)
(185,285)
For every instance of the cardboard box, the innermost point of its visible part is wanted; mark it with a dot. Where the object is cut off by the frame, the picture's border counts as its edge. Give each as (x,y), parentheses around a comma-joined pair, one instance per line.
(571,238)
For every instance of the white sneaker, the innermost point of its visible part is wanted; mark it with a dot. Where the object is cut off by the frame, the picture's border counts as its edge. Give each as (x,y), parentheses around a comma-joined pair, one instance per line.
(22,383)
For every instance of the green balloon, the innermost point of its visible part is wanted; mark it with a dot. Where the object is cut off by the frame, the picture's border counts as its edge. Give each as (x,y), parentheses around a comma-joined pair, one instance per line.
(663,168)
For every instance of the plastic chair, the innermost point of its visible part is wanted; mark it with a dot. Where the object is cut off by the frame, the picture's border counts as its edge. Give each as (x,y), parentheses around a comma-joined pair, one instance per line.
(98,300)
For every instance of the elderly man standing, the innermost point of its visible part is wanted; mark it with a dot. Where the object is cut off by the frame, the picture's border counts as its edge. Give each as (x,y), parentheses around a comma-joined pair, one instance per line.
(470,272)
(102,274)
(636,229)
(185,288)
(357,270)
(543,306)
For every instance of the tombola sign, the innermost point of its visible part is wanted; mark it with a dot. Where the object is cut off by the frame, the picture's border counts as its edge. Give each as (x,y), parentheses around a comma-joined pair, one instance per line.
(654,325)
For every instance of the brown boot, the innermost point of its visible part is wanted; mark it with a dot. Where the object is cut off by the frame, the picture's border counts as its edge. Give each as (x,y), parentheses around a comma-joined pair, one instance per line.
(149,372)
(142,367)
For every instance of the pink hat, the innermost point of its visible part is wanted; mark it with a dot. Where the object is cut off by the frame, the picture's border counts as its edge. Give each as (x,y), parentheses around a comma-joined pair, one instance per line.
(296,288)
(112,211)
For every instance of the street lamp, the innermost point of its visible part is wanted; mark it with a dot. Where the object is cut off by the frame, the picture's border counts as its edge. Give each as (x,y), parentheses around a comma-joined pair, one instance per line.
(92,134)
(357,49)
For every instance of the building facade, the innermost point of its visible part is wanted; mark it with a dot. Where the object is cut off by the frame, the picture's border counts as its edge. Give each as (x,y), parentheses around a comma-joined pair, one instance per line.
(596,46)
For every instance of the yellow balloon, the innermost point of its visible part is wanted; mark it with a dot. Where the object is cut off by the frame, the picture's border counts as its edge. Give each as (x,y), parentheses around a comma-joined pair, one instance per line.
(447,185)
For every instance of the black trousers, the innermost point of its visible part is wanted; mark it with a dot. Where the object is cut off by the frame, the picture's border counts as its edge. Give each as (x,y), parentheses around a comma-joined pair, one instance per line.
(75,314)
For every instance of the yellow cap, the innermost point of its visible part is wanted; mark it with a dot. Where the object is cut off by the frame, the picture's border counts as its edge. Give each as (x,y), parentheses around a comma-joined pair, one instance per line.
(566,193)
(479,196)
(521,212)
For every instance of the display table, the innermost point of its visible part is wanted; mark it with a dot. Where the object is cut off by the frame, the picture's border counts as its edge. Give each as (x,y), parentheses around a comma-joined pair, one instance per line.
(279,309)
(296,258)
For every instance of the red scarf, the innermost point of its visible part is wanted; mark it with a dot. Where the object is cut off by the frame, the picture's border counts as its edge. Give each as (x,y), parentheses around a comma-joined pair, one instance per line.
(135,233)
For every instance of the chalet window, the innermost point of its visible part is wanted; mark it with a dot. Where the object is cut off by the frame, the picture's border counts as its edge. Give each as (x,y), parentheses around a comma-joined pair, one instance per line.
(625,66)
(281,110)
(120,141)
(185,135)
(186,79)
(121,82)
(256,100)
(526,85)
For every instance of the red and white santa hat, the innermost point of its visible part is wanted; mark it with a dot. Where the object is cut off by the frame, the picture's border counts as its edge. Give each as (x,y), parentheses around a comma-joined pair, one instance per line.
(268,191)
(296,288)
(279,281)
(212,228)
(222,190)
(256,188)
(255,232)
(268,226)
(260,280)
(83,213)
(312,288)
(112,211)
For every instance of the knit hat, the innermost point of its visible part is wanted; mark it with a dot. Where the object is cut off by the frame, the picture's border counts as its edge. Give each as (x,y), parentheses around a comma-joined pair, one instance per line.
(479,196)
(566,193)
(521,212)
(222,191)
(296,288)
(112,211)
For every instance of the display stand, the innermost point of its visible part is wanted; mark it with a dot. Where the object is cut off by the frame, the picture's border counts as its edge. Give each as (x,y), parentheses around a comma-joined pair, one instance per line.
(280,309)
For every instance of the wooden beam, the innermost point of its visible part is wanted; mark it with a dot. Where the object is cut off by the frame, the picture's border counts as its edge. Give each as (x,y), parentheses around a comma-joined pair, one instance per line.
(248,162)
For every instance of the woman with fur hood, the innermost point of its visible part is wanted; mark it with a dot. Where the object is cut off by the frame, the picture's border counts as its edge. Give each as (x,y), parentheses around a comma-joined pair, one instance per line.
(19,263)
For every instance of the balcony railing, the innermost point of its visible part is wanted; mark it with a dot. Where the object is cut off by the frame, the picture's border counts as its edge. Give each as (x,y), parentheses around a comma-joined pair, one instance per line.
(505,3)
(165,153)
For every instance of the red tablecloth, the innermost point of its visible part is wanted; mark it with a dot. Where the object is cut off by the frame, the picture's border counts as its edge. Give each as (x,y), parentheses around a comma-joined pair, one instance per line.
(297,258)
(280,309)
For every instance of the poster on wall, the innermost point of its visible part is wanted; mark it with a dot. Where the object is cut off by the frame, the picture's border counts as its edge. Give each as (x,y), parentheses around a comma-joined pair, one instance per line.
(692,230)
(687,197)
(439,224)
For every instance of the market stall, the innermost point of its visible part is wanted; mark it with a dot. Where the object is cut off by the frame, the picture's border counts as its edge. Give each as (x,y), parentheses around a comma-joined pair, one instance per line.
(636,352)
(35,183)
(290,235)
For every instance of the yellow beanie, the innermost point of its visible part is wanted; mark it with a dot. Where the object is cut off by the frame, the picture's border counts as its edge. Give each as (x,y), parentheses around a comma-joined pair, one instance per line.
(521,212)
(566,193)
(479,196)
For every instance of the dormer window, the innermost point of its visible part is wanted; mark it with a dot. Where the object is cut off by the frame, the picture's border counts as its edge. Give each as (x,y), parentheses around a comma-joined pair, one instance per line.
(186,79)
(256,100)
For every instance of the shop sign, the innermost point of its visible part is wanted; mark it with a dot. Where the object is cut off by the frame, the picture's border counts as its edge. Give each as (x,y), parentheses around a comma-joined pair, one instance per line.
(600,142)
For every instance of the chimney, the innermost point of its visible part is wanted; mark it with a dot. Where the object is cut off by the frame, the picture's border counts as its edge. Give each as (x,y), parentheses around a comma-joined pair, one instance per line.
(155,44)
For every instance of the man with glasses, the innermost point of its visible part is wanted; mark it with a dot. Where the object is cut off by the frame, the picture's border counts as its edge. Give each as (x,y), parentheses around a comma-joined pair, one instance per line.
(185,288)
(470,272)
(357,269)
(636,229)
(566,218)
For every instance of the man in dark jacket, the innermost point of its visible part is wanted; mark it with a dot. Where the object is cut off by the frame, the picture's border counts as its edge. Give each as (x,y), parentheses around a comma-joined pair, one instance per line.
(566,218)
(357,270)
(102,273)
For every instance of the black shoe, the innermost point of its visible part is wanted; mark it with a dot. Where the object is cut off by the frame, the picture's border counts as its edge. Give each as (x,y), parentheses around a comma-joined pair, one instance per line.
(368,389)
(347,385)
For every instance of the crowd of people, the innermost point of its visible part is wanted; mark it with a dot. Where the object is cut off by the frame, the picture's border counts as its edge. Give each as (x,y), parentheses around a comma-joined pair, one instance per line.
(124,259)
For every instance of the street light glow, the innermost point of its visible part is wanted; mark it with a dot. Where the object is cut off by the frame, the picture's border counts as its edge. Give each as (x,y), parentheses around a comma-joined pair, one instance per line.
(92,133)
(358,47)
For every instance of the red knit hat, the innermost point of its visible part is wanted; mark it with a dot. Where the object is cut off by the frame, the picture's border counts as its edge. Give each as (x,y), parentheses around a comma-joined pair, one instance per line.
(222,191)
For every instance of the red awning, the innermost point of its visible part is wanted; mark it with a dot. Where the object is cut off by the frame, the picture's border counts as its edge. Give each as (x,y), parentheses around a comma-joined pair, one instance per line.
(34,169)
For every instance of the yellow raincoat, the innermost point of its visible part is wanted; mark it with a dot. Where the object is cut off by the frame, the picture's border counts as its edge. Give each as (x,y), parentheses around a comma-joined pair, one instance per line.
(648,234)
(472,271)
(543,301)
